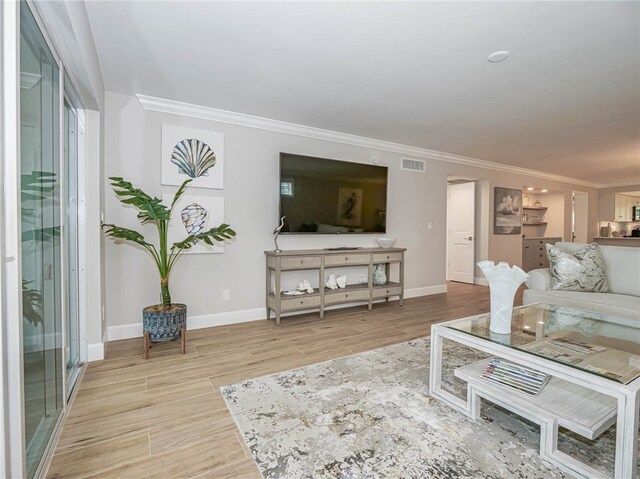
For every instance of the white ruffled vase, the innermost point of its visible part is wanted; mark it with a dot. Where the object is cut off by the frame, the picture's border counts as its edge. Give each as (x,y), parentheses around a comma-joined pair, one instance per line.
(504,281)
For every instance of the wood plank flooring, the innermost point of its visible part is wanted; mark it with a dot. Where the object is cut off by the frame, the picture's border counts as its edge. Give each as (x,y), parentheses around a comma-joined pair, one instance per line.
(165,417)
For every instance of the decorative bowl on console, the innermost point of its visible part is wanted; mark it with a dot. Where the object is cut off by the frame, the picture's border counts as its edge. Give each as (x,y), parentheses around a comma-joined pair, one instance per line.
(386,242)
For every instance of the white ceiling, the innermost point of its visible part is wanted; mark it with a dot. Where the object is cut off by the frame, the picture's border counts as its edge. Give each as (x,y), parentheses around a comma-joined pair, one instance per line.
(567,101)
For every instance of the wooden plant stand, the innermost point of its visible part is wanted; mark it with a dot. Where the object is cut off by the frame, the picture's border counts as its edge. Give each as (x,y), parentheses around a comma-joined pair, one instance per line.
(148,344)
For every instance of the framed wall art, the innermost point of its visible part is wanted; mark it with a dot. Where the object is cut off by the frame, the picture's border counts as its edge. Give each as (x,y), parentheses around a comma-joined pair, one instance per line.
(192,215)
(191,153)
(507,211)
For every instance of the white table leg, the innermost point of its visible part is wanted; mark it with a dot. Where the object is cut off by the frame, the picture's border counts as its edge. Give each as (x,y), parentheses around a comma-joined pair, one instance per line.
(627,435)
(470,407)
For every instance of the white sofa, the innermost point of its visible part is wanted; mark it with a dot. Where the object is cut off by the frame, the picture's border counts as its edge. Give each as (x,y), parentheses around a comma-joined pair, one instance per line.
(622,268)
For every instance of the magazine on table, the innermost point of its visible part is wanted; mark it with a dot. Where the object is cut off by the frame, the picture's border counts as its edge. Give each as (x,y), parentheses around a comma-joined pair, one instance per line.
(615,364)
(575,345)
(515,375)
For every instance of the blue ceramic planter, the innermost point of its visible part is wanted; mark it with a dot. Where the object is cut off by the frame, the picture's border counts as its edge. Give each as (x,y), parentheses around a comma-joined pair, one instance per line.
(164,323)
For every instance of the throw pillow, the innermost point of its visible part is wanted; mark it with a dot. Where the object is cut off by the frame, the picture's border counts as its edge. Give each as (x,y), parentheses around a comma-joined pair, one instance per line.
(581,271)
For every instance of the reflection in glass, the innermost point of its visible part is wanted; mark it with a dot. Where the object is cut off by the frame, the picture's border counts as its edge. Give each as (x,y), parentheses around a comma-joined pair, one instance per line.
(72,351)
(40,228)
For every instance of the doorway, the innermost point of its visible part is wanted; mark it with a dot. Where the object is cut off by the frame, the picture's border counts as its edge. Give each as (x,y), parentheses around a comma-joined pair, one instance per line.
(461,239)
(579,217)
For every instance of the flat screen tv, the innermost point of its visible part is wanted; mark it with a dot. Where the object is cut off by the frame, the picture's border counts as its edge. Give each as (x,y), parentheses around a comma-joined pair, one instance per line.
(324,196)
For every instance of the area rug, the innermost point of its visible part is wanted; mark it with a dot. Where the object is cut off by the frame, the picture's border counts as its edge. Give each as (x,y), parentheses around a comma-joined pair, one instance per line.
(370,416)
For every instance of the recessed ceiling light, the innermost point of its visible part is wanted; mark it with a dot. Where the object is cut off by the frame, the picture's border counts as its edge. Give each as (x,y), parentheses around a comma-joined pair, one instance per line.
(496,57)
(544,191)
(530,188)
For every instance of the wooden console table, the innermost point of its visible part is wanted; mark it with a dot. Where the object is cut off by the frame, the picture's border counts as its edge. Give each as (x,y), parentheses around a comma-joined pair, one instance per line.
(329,261)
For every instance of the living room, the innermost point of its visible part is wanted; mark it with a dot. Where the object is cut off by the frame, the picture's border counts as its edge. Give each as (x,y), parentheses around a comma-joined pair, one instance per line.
(507,96)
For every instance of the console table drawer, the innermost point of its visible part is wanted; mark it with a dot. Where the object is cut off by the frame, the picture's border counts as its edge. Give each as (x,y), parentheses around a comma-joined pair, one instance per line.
(332,298)
(341,259)
(386,257)
(296,303)
(384,292)
(298,262)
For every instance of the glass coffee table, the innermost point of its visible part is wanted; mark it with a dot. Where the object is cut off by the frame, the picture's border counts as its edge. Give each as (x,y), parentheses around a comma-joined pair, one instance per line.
(592,362)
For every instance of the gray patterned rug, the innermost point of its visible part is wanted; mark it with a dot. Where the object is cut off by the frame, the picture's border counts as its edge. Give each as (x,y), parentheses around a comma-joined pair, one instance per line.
(370,416)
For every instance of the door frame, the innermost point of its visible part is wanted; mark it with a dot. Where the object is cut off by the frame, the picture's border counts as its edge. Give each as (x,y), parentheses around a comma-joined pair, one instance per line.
(11,364)
(452,180)
(12,432)
(585,194)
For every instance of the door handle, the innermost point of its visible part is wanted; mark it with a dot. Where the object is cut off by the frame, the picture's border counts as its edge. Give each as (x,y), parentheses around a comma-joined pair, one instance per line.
(470,238)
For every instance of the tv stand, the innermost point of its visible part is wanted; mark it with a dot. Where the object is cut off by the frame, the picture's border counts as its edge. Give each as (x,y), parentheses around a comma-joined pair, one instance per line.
(328,261)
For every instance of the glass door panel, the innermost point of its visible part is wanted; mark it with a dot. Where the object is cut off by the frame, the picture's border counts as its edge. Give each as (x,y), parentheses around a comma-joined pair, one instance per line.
(72,344)
(41,246)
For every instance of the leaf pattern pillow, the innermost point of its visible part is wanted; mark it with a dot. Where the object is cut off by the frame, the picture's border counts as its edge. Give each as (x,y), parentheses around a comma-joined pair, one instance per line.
(581,271)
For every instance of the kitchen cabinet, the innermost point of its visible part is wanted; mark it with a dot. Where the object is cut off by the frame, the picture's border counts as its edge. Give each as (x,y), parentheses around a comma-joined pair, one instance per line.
(621,207)
(617,207)
(534,252)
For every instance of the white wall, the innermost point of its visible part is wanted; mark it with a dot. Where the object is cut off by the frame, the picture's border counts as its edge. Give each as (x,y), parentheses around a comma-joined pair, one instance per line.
(132,150)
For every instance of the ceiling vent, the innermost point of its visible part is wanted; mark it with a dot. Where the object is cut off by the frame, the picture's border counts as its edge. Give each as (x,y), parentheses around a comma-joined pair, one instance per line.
(414,165)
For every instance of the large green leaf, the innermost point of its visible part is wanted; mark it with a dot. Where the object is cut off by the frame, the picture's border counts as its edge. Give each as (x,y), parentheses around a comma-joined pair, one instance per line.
(41,234)
(32,303)
(220,234)
(125,234)
(36,185)
(178,194)
(151,208)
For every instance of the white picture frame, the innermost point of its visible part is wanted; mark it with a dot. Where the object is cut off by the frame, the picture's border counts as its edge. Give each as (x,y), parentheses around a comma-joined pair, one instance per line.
(173,175)
(214,207)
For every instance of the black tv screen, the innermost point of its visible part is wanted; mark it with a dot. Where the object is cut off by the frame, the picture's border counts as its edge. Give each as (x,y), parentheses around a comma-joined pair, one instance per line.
(323,196)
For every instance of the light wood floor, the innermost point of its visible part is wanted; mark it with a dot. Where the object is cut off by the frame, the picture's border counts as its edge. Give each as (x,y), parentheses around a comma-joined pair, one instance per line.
(165,417)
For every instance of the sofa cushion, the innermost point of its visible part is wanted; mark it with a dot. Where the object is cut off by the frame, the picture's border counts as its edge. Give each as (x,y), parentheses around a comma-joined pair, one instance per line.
(580,270)
(539,279)
(622,305)
(622,266)
(623,263)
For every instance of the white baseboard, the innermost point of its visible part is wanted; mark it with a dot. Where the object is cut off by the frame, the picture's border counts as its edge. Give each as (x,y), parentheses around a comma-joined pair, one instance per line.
(481,281)
(426,291)
(95,352)
(134,330)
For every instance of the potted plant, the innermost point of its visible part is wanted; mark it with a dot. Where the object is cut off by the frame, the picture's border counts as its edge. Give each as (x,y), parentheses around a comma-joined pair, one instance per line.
(165,321)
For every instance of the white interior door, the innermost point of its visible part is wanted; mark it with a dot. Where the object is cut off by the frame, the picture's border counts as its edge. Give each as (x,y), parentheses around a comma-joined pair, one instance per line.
(580,217)
(461,207)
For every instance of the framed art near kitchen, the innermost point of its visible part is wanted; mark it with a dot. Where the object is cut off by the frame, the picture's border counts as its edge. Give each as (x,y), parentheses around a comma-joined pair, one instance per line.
(507,217)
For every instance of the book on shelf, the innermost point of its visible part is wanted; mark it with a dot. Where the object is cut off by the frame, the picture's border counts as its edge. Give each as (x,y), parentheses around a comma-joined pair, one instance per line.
(514,375)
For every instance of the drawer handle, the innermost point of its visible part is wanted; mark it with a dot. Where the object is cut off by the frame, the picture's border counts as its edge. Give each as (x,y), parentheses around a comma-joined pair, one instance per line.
(302,301)
(387,256)
(346,295)
(346,258)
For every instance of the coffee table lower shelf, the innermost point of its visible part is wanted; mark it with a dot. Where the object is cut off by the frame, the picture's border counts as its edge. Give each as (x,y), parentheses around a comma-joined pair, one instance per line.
(571,406)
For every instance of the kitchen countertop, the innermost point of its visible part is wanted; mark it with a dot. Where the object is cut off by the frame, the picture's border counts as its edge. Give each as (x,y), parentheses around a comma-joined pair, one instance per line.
(617,237)
(541,237)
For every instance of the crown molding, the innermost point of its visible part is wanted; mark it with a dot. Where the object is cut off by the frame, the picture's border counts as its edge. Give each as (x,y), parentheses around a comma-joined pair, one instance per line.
(635,183)
(213,114)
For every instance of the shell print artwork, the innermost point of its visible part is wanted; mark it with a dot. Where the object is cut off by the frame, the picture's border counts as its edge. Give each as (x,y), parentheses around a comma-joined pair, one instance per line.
(193,157)
(194,218)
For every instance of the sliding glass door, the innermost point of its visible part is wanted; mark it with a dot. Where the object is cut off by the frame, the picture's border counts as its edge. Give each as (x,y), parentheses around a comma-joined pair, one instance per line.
(42,271)
(72,329)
